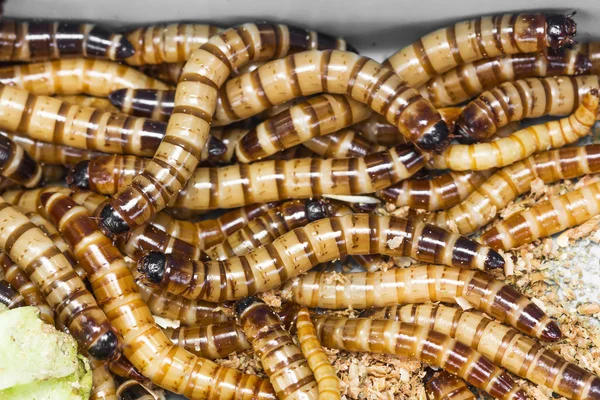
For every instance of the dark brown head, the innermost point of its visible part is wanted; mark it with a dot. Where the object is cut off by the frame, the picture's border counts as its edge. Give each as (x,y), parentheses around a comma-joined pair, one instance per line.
(436,139)
(560,30)
(111,223)
(317,209)
(117,97)
(105,347)
(289,315)
(79,176)
(153,266)
(216,148)
(125,49)
(244,304)
(493,260)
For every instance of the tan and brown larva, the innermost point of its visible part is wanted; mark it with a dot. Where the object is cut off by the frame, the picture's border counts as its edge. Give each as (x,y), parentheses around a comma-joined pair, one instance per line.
(210,341)
(445,386)
(346,143)
(103,384)
(88,101)
(9,296)
(17,165)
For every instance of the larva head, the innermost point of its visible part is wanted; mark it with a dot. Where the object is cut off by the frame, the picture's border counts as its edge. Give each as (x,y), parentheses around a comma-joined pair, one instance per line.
(493,260)
(79,176)
(317,209)
(153,265)
(111,223)
(216,148)
(436,138)
(117,97)
(551,332)
(124,49)
(560,30)
(105,347)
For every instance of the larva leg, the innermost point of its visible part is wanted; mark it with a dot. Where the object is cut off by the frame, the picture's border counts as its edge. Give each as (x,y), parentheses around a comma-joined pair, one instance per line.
(523,143)
(442,191)
(592,51)
(527,98)
(144,344)
(38,41)
(519,354)
(346,143)
(103,384)
(281,359)
(88,101)
(408,340)
(303,248)
(445,386)
(469,80)
(210,341)
(17,165)
(483,37)
(9,296)
(421,284)
(123,368)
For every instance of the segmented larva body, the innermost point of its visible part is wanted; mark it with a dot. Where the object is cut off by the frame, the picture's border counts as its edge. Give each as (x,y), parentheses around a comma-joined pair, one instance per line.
(30,292)
(510,182)
(422,284)
(88,101)
(526,98)
(147,103)
(346,143)
(281,359)
(17,165)
(51,272)
(413,341)
(166,72)
(519,354)
(592,51)
(38,41)
(210,341)
(53,173)
(76,76)
(318,116)
(523,143)
(440,192)
(483,37)
(123,368)
(378,130)
(144,344)
(469,80)
(29,200)
(10,297)
(303,248)
(103,384)
(545,219)
(229,136)
(445,386)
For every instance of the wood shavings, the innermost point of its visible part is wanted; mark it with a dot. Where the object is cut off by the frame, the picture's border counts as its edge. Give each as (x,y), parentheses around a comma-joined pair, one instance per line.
(395,242)
(589,309)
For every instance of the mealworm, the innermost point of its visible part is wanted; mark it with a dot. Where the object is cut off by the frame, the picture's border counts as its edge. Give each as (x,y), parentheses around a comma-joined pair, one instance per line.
(76,76)
(147,103)
(510,182)
(517,353)
(166,72)
(89,101)
(144,344)
(123,368)
(210,341)
(526,98)
(592,51)
(317,116)
(17,165)
(51,272)
(440,192)
(30,292)
(103,384)
(523,143)
(9,296)
(281,359)
(413,341)
(37,41)
(378,130)
(445,386)
(483,37)
(469,80)
(422,284)
(346,143)
(298,251)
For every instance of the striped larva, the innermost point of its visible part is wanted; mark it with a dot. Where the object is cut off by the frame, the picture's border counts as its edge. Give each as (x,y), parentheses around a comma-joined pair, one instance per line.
(483,37)
(413,341)
(421,284)
(303,248)
(10,297)
(471,79)
(38,41)
(437,193)
(523,143)
(519,354)
(166,72)
(51,272)
(510,182)
(346,143)
(123,368)
(146,103)
(30,292)
(526,98)
(378,130)
(17,165)
(281,359)
(144,343)
(210,341)
(317,116)
(445,386)
(88,101)
(76,76)
(103,384)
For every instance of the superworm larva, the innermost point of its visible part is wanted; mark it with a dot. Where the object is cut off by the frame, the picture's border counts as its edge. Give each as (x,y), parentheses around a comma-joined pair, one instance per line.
(346,143)
(421,284)
(76,76)
(166,72)
(103,384)
(17,165)
(510,182)
(89,101)
(30,292)
(317,116)
(378,130)
(523,143)
(440,192)
(303,248)
(526,98)
(38,41)
(519,354)
(210,341)
(413,341)
(51,272)
(147,103)
(469,80)
(9,296)
(281,359)
(445,386)
(483,37)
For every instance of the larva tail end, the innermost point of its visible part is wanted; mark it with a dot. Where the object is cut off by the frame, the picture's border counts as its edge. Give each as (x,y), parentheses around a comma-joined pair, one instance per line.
(124,50)
(289,315)
(216,148)
(551,332)
(560,30)
(111,223)
(437,138)
(153,265)
(493,260)
(316,209)
(242,305)
(105,347)
(78,176)
(117,98)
